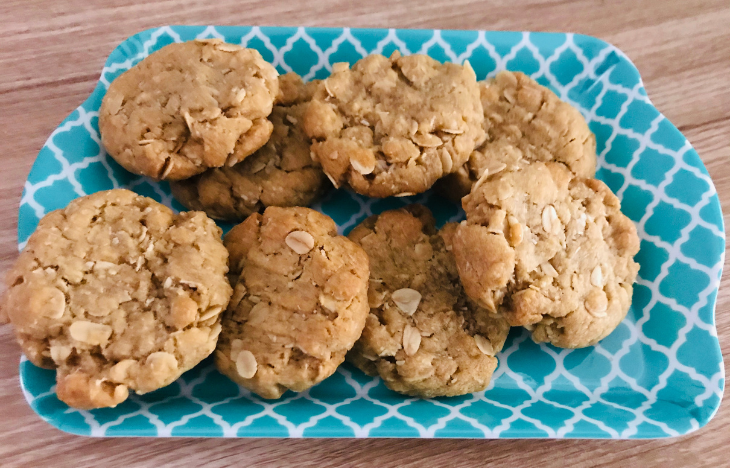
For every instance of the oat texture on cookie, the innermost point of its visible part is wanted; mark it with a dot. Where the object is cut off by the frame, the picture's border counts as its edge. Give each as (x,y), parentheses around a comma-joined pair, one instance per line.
(393,126)
(118,293)
(299,302)
(549,251)
(281,173)
(189,107)
(524,122)
(423,336)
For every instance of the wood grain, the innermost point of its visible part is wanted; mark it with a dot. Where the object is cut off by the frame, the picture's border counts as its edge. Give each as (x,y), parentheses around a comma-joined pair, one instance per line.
(51,53)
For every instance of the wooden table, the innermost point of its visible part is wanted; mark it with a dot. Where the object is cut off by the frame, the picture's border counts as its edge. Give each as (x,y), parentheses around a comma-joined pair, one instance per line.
(51,53)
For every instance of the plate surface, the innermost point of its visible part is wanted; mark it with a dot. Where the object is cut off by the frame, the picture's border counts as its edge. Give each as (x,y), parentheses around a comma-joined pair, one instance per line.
(660,374)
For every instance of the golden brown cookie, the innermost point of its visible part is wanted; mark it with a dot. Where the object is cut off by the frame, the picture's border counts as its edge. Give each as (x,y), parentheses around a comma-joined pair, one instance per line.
(299,303)
(548,251)
(394,126)
(423,336)
(189,107)
(281,173)
(118,293)
(524,122)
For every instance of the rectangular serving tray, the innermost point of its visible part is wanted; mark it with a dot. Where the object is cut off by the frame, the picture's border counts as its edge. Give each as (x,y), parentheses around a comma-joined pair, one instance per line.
(660,374)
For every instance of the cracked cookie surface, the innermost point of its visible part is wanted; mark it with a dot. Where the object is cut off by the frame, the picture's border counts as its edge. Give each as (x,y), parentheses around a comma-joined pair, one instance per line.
(548,251)
(299,303)
(423,336)
(524,122)
(393,126)
(118,293)
(281,173)
(188,107)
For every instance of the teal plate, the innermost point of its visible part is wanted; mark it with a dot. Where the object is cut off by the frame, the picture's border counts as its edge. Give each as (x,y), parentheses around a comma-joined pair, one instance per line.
(660,374)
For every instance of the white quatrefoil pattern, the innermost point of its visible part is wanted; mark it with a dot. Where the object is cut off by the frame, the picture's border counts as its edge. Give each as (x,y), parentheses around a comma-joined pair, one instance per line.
(660,374)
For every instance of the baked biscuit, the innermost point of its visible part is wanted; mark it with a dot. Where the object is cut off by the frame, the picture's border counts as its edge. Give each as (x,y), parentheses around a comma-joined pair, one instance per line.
(299,303)
(524,122)
(281,173)
(393,126)
(548,251)
(423,336)
(118,293)
(189,107)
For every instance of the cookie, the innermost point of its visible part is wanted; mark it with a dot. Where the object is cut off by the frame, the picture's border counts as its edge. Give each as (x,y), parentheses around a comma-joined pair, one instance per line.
(524,121)
(281,173)
(189,107)
(299,303)
(393,126)
(548,251)
(424,337)
(117,293)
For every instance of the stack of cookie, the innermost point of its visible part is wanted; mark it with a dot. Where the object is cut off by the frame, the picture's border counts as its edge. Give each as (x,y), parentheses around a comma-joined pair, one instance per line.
(217,122)
(545,245)
(118,293)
